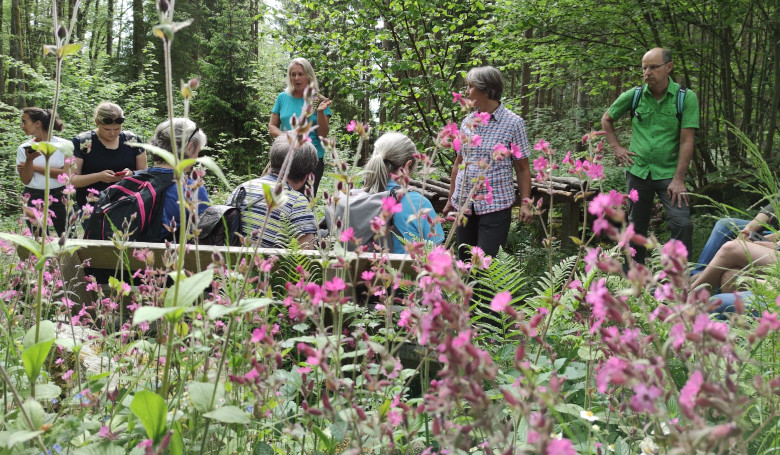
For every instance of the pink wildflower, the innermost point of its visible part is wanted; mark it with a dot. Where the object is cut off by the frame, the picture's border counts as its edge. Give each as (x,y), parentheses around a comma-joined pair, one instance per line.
(348,235)
(561,447)
(439,261)
(476,140)
(500,301)
(335,285)
(390,205)
(689,392)
(483,117)
(541,145)
(351,126)
(258,335)
(367,275)
(457,144)
(769,321)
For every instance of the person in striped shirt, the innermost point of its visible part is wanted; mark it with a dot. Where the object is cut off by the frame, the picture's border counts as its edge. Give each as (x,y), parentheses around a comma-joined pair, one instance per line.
(293,218)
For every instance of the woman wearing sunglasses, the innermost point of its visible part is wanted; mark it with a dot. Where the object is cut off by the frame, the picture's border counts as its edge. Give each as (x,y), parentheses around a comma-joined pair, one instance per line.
(103,155)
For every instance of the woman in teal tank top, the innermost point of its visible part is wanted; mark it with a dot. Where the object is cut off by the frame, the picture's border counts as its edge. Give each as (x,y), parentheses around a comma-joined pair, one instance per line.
(300,76)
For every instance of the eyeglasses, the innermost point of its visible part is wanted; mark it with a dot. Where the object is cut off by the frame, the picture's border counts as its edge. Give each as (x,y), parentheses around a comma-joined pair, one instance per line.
(653,67)
(111,121)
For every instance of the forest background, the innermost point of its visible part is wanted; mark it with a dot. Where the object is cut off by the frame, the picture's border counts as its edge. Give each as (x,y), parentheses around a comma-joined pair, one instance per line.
(394,63)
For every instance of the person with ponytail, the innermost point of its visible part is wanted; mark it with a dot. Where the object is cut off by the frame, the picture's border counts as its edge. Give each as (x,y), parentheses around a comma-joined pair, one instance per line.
(394,155)
(30,164)
(196,140)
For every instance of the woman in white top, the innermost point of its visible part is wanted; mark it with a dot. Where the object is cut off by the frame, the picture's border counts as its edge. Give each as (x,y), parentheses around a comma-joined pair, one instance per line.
(31,164)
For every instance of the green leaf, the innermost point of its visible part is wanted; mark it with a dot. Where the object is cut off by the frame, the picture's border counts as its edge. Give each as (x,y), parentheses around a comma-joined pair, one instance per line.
(569,408)
(22,241)
(151,410)
(162,153)
(150,313)
(33,358)
(190,289)
(217,311)
(262,448)
(177,441)
(48,391)
(185,163)
(46,332)
(229,414)
(212,165)
(18,437)
(35,412)
(324,439)
(103,448)
(200,395)
(586,353)
(70,49)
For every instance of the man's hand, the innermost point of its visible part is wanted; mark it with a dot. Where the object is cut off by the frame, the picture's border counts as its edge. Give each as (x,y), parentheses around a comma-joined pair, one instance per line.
(525,215)
(623,155)
(677,193)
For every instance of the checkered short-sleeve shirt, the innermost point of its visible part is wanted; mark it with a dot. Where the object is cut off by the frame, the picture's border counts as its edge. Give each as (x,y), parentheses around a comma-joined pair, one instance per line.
(505,127)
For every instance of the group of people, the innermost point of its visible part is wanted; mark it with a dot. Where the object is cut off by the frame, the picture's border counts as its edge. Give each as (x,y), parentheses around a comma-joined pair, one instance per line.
(664,117)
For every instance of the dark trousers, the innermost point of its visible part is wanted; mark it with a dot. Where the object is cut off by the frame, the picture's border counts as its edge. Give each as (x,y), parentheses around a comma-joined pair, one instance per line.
(678,219)
(488,231)
(58,208)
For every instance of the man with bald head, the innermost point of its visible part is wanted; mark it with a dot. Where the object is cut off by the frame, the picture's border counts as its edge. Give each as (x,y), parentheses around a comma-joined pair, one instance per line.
(665,117)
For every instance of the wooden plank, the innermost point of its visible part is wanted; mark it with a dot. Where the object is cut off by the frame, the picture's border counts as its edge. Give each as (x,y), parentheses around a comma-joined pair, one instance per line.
(103,254)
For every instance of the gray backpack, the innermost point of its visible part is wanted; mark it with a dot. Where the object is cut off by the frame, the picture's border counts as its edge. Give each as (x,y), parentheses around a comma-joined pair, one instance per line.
(363,207)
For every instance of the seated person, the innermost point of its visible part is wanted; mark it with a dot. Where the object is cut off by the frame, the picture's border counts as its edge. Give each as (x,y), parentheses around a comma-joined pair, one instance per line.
(733,256)
(394,154)
(729,228)
(294,218)
(162,138)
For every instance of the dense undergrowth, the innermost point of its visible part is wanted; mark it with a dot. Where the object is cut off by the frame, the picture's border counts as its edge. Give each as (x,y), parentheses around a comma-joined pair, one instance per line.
(280,355)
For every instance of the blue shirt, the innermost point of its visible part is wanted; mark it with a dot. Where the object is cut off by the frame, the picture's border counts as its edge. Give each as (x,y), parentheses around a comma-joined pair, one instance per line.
(286,105)
(171,202)
(416,229)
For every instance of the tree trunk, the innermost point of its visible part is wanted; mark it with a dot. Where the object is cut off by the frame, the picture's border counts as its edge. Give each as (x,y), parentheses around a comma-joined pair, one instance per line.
(15,83)
(2,52)
(139,36)
(110,28)
(525,80)
(775,106)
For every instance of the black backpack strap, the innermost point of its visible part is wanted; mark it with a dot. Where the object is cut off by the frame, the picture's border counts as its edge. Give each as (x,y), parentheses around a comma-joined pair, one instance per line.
(680,100)
(238,197)
(635,100)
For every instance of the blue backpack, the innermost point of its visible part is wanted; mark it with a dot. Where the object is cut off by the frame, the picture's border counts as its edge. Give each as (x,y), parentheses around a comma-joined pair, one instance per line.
(680,99)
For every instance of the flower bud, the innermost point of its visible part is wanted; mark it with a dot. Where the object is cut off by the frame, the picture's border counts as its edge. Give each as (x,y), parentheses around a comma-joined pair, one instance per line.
(162,6)
(62,33)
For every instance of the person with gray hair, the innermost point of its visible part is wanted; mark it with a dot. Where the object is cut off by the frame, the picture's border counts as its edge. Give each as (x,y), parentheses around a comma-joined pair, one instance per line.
(394,155)
(489,213)
(293,218)
(300,77)
(190,140)
(103,155)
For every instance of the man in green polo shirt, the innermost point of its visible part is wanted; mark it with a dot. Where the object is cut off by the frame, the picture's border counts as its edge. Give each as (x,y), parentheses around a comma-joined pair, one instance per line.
(661,148)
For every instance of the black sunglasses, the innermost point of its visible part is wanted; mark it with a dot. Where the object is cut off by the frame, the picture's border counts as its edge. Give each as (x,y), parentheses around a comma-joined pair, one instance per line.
(197,128)
(111,121)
